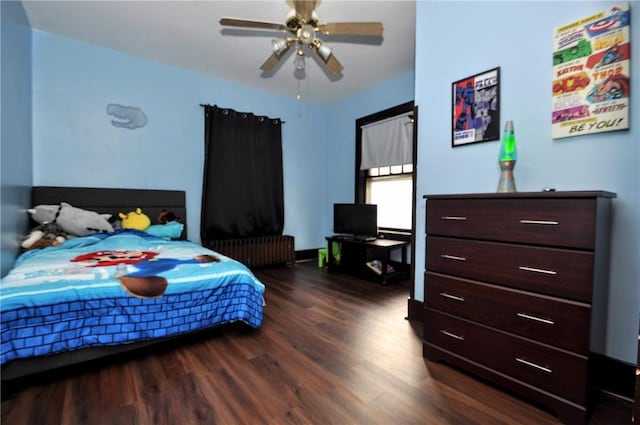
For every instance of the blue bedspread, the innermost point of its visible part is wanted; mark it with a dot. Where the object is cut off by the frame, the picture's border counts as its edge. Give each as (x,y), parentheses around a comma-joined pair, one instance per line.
(69,297)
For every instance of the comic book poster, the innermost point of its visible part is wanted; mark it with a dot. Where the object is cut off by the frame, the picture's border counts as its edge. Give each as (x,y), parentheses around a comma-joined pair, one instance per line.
(476,108)
(591,74)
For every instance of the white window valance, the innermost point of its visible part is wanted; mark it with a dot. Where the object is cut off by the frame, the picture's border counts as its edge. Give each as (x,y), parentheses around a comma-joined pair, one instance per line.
(387,142)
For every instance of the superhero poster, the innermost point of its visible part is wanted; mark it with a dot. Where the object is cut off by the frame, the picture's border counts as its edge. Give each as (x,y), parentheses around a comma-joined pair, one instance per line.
(476,108)
(590,90)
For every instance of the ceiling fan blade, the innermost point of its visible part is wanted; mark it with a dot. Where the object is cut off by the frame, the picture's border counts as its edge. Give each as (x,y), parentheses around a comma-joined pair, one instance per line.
(304,9)
(352,28)
(332,64)
(244,23)
(270,63)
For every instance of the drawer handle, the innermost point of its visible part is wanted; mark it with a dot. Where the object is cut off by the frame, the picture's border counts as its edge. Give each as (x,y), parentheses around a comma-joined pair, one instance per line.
(543,222)
(535,318)
(453,297)
(452,335)
(535,270)
(453,257)
(533,365)
(453,218)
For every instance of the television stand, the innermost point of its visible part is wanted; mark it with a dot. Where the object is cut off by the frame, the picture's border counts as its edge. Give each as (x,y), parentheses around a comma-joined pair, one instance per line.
(367,259)
(364,238)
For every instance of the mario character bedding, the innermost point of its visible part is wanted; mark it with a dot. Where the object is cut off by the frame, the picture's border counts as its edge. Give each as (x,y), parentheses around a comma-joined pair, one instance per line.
(118,288)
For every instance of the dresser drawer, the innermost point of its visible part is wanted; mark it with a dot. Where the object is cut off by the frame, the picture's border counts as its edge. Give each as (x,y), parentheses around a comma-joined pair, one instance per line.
(554,222)
(555,371)
(558,272)
(554,321)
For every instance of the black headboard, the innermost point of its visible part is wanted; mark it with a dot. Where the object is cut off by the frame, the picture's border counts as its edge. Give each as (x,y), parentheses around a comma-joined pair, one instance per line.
(114,201)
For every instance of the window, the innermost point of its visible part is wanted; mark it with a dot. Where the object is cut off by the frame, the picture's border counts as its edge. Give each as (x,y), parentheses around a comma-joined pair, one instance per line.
(385,162)
(391,188)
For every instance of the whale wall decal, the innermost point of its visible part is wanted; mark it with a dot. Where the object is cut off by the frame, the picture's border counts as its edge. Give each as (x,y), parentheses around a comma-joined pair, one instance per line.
(129,117)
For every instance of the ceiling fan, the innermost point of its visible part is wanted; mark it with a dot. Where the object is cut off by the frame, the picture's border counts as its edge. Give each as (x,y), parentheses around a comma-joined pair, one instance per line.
(303,25)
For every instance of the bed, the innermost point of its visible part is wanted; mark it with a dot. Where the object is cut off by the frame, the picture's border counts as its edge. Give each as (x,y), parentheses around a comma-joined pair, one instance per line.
(108,293)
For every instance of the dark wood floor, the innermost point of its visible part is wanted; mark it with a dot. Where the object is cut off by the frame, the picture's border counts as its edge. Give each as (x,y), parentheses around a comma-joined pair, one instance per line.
(332,350)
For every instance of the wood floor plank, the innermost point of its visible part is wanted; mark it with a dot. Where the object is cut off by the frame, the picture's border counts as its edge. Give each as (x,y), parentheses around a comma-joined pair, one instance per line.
(332,350)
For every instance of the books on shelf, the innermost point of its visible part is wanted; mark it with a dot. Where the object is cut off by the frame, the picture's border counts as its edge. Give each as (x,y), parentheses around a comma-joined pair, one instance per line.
(376,266)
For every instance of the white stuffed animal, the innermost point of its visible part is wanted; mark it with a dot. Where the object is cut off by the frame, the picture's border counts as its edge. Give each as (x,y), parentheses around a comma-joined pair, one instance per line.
(75,221)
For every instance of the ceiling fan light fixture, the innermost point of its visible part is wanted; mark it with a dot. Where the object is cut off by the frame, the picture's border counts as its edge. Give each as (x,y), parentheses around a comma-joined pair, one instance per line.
(279,46)
(306,34)
(324,52)
(299,62)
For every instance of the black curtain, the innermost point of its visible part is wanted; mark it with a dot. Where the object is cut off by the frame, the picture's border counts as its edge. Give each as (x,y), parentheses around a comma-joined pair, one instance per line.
(242,192)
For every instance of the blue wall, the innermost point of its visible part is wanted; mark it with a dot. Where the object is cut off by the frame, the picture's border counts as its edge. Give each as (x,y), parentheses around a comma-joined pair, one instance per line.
(75,144)
(458,39)
(74,81)
(15,154)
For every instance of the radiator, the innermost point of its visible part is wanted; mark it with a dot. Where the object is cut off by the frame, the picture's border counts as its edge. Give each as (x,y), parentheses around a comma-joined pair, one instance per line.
(259,251)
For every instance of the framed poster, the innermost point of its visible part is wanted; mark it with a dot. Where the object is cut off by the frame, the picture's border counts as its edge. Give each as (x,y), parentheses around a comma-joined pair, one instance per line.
(476,108)
(591,70)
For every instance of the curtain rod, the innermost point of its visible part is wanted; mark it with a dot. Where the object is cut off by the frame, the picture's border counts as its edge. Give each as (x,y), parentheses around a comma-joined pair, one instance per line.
(281,121)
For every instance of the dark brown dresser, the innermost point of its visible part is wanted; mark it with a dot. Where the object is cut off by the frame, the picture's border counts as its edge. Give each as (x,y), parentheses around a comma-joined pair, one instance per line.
(516,290)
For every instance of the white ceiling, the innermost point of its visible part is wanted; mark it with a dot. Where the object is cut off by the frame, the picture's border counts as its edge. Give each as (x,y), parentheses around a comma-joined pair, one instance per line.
(187,34)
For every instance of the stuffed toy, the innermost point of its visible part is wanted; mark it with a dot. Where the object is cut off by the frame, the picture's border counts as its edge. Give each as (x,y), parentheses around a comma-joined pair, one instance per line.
(165,216)
(135,220)
(171,230)
(44,235)
(169,226)
(72,220)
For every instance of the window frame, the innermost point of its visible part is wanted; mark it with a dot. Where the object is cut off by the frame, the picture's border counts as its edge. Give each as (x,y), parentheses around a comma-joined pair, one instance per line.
(362,176)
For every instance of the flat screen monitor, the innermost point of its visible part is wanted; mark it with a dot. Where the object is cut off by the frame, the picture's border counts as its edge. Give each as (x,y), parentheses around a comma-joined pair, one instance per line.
(359,220)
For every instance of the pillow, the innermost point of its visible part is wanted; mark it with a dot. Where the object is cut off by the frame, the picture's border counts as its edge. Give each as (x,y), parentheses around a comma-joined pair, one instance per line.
(75,221)
(171,230)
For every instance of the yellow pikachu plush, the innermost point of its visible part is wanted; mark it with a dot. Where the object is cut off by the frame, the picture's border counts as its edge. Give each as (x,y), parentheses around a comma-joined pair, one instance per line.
(135,220)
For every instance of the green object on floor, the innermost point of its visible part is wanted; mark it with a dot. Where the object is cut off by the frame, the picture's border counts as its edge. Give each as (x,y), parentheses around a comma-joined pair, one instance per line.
(336,251)
(323,254)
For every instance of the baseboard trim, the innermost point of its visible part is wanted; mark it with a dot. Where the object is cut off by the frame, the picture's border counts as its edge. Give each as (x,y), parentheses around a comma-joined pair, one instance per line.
(307,254)
(612,376)
(415,309)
